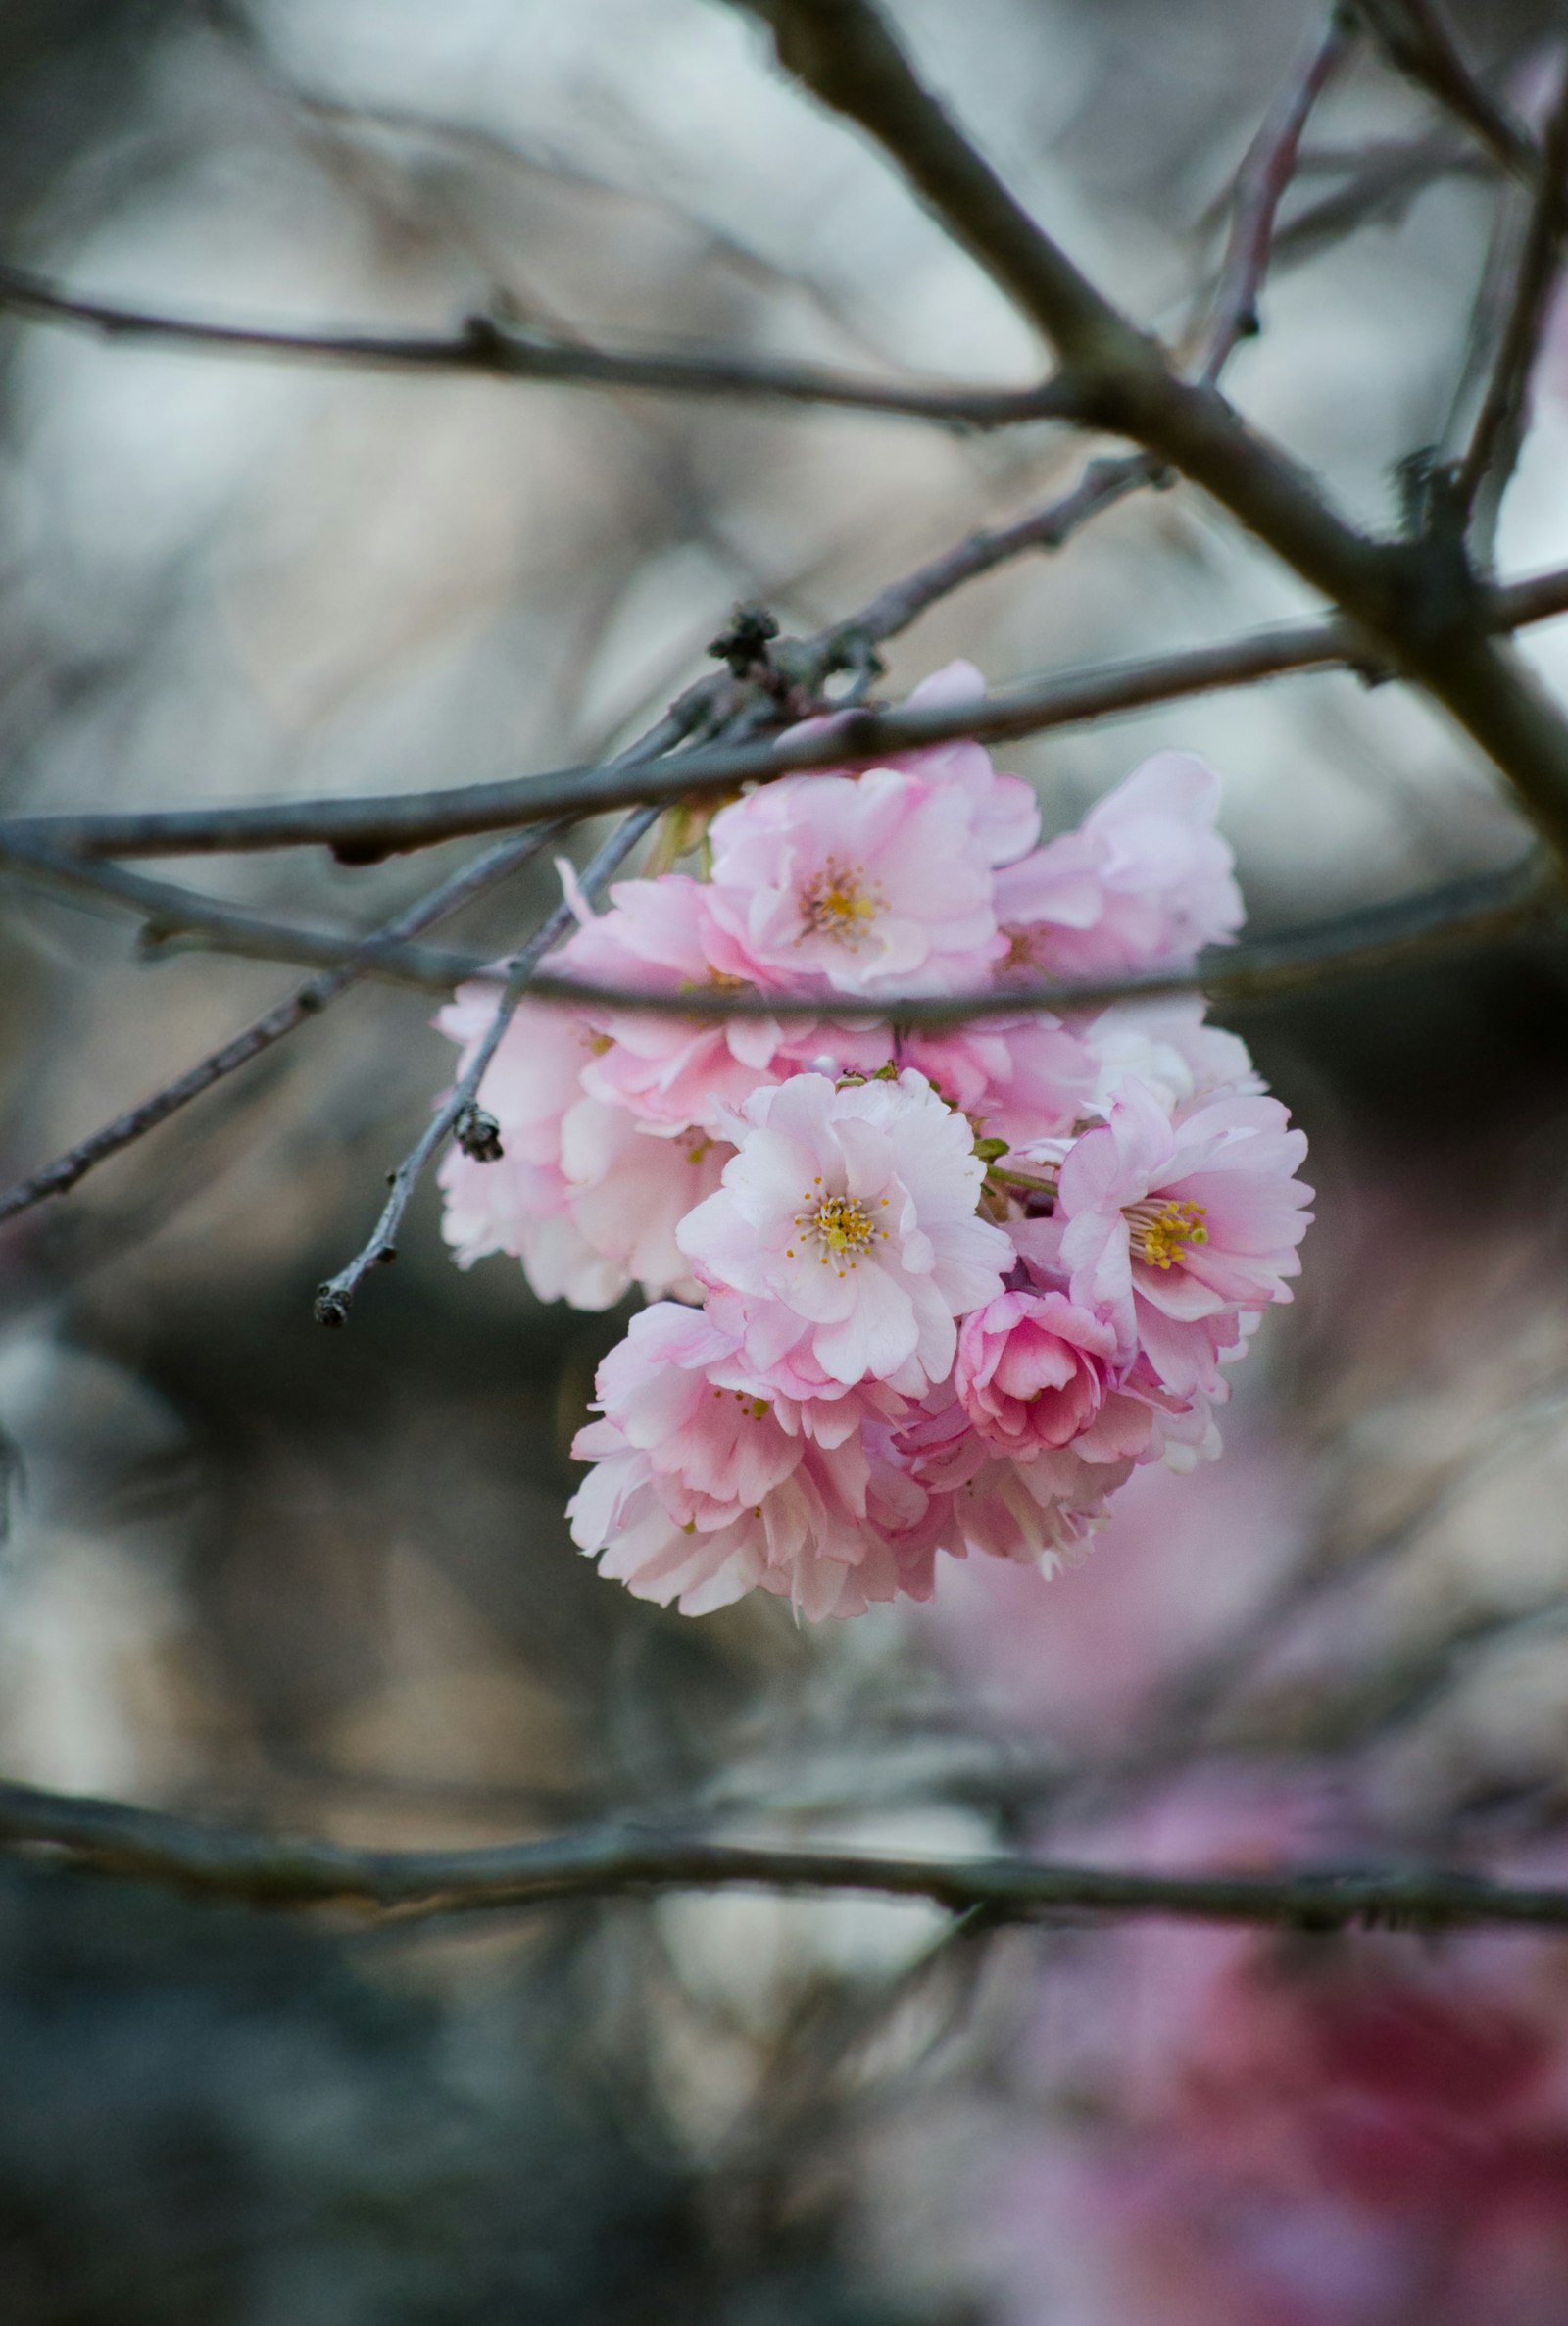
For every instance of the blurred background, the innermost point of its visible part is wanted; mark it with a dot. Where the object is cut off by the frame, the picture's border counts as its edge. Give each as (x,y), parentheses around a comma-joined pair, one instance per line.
(322,1581)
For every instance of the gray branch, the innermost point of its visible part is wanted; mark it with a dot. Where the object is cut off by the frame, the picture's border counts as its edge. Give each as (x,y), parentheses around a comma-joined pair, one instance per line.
(489,347)
(381,824)
(223,1862)
(264,1033)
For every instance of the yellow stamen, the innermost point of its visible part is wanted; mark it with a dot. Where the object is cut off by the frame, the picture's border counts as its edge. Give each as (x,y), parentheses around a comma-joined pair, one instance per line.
(1163,1231)
(841,1224)
(841,904)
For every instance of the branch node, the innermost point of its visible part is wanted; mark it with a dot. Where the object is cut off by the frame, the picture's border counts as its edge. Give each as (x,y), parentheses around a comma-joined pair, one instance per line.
(479,1134)
(744,646)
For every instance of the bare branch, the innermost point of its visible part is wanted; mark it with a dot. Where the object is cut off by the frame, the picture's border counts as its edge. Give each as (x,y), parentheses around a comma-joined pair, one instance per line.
(335,1295)
(1418,607)
(1420,44)
(1266,170)
(1380,937)
(218,1861)
(379,824)
(167,912)
(1499,429)
(497,348)
(1379,187)
(284,1018)
(1103,483)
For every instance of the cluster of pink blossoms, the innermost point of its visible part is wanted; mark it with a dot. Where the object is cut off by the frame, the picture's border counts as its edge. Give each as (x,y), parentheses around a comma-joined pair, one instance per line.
(913,1292)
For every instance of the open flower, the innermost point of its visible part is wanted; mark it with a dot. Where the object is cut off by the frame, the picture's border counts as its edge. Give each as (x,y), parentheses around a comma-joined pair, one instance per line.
(1002,809)
(949,1284)
(1031,1372)
(582,1192)
(676,1073)
(846,1222)
(1144,883)
(699,1493)
(1176,1229)
(854,884)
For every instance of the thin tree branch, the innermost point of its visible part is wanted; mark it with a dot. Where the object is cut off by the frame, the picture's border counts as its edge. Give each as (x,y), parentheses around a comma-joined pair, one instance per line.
(1380,187)
(1417,604)
(337,1295)
(1266,170)
(1419,42)
(494,348)
(218,1861)
(1497,438)
(1380,937)
(284,1018)
(1459,915)
(378,824)
(844,645)
(381,824)
(166,912)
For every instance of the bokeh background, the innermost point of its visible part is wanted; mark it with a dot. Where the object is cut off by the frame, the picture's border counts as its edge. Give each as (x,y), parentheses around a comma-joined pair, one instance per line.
(260,1572)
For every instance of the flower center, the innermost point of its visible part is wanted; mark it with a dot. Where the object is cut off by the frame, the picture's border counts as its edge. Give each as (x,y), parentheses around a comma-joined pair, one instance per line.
(840,1225)
(1165,1230)
(841,904)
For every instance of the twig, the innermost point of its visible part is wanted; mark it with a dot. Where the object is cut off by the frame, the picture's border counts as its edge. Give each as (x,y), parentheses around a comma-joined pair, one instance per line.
(497,349)
(218,1861)
(1105,481)
(379,824)
(1420,44)
(1383,185)
(335,1295)
(265,1032)
(1459,915)
(1499,429)
(383,822)
(1416,611)
(167,911)
(1266,170)
(1380,937)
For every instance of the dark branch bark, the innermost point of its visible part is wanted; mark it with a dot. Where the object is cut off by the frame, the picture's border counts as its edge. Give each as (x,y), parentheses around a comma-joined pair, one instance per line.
(1499,429)
(255,1869)
(1419,609)
(1420,44)
(168,913)
(383,823)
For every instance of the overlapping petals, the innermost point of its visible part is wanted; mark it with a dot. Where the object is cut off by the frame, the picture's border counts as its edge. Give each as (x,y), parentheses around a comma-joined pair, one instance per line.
(934,1293)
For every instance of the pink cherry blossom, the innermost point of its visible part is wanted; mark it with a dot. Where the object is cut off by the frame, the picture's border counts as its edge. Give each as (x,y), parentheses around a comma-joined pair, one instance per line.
(1172,1228)
(1003,813)
(658,938)
(1033,1512)
(1144,883)
(846,1222)
(583,1195)
(898,1347)
(854,884)
(1165,1044)
(698,1494)
(1032,1371)
(1003,810)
